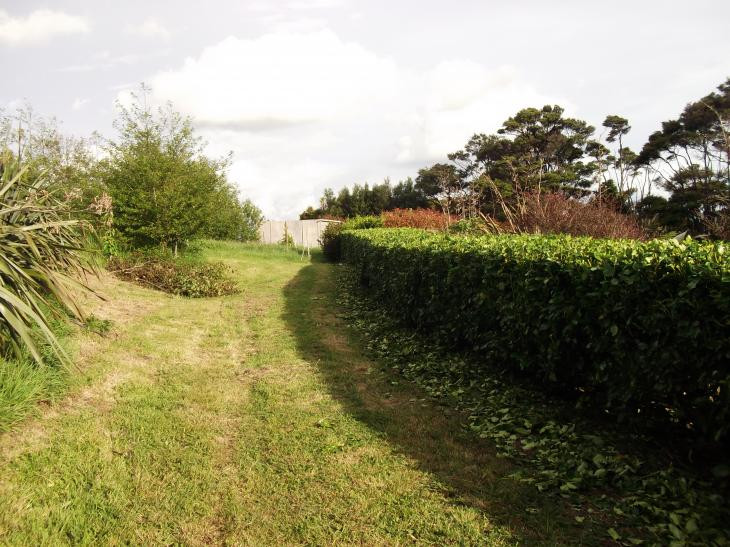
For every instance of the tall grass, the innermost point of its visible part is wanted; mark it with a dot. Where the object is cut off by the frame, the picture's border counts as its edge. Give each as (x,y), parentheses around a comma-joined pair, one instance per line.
(25,383)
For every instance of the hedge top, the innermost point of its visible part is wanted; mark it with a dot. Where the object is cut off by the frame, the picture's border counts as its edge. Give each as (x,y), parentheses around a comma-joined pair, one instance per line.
(698,258)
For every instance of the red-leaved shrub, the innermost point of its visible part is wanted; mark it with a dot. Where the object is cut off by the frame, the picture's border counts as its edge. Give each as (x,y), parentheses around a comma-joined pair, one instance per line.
(559,214)
(416,218)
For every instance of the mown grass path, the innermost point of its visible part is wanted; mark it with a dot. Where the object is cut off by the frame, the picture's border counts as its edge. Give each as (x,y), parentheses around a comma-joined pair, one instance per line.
(253,419)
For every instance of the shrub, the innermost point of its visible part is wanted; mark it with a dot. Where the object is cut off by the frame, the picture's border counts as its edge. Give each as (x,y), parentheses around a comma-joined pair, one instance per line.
(636,330)
(164,189)
(718,226)
(556,213)
(416,218)
(184,277)
(41,245)
(287,239)
(559,214)
(330,240)
(363,222)
(473,226)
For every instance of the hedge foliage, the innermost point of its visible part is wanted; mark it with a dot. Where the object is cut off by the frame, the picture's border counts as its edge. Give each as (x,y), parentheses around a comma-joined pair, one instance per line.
(330,239)
(638,331)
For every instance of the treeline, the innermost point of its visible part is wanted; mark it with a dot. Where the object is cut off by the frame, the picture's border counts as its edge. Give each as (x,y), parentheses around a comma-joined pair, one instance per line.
(365,200)
(151,185)
(678,181)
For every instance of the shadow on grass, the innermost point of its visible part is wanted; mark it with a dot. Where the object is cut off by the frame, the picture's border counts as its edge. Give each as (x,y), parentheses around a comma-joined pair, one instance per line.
(466,468)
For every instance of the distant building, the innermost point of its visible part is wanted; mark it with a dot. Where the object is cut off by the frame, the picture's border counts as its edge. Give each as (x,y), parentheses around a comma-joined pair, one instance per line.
(305,233)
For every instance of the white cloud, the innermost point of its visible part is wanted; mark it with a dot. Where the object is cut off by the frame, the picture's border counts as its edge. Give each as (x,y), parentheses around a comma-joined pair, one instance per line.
(39,26)
(14,104)
(278,80)
(79,103)
(150,28)
(314,4)
(307,110)
(102,60)
(295,15)
(268,7)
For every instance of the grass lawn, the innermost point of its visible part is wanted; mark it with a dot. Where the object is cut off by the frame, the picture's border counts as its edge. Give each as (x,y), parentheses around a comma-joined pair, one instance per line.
(252,419)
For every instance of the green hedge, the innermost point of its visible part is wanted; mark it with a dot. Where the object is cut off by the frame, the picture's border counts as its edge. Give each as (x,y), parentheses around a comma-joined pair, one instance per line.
(639,331)
(330,240)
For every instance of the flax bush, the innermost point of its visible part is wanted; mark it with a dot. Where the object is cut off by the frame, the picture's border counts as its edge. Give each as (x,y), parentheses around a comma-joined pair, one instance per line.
(41,255)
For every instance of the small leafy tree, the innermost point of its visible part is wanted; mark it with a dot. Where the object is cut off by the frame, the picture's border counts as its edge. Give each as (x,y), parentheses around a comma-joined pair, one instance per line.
(234,219)
(251,219)
(39,150)
(164,189)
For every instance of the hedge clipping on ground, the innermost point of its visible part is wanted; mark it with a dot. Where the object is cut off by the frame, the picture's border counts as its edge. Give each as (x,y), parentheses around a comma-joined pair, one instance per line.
(183,277)
(638,331)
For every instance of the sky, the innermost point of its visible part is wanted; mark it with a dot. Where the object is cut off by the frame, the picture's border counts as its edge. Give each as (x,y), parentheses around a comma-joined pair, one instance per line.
(310,94)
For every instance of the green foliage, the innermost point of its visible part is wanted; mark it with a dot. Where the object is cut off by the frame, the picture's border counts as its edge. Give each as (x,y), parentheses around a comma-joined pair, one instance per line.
(691,159)
(612,478)
(548,149)
(97,325)
(540,150)
(110,245)
(287,239)
(472,226)
(635,331)
(65,163)
(23,384)
(164,189)
(40,248)
(535,149)
(364,200)
(180,276)
(330,241)
(234,220)
(251,218)
(363,222)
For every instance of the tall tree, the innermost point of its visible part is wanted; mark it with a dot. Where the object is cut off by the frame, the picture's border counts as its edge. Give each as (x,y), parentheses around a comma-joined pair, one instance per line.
(534,150)
(618,178)
(547,150)
(690,158)
(367,200)
(406,195)
(444,183)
